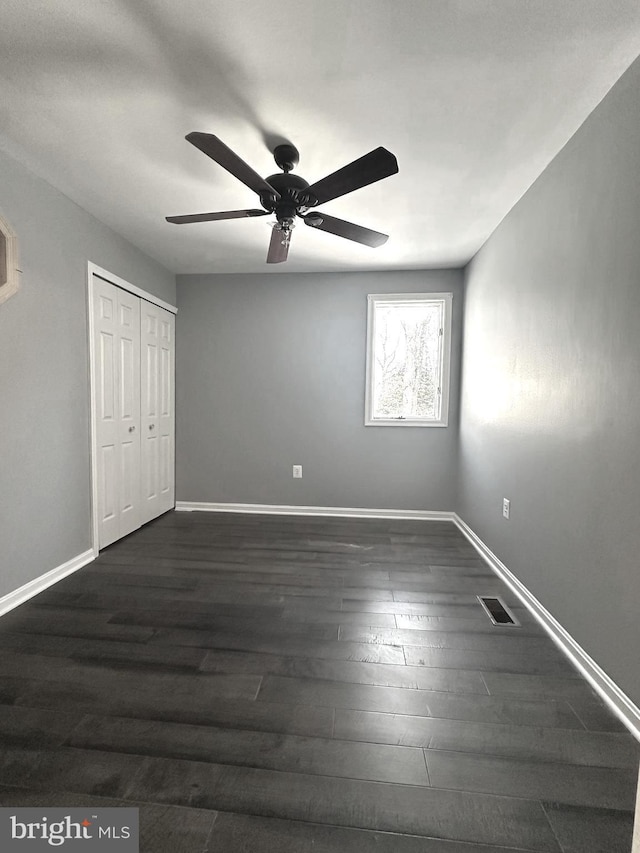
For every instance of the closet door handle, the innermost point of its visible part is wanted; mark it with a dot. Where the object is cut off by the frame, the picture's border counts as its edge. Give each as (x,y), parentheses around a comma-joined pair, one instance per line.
(152,426)
(132,429)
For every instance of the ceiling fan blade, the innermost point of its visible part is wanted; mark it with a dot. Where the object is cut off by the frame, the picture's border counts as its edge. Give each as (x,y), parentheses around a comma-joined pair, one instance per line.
(278,251)
(345,229)
(374,166)
(229,160)
(214,217)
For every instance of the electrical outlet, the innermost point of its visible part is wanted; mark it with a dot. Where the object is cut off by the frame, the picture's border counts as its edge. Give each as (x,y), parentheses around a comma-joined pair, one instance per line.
(506,507)
(297,472)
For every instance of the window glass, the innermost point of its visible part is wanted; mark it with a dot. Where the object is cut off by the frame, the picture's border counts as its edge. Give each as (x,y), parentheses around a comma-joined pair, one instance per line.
(407,364)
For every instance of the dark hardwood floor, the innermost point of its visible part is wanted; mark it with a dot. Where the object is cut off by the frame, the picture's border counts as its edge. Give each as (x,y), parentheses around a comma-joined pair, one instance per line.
(307,685)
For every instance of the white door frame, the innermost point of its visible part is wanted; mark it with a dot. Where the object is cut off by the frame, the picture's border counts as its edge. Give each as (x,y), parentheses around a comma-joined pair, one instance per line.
(94,269)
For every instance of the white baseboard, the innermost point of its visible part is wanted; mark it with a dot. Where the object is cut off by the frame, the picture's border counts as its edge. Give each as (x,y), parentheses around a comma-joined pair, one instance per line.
(636,828)
(619,702)
(24,593)
(333,511)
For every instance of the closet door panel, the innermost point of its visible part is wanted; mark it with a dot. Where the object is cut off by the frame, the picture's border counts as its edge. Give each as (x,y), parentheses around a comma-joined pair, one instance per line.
(116,380)
(108,493)
(166,414)
(149,411)
(107,399)
(157,411)
(105,379)
(129,411)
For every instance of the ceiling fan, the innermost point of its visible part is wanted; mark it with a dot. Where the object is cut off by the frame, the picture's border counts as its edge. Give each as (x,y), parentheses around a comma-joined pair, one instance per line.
(287,195)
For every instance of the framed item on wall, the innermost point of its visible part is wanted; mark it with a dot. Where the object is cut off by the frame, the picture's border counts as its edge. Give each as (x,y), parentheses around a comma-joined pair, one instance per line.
(9,272)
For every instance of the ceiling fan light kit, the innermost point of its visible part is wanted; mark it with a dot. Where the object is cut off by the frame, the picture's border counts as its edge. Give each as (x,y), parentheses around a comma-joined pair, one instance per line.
(287,195)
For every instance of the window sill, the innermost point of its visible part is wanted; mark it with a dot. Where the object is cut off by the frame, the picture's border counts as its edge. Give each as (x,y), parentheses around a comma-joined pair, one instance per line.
(404,422)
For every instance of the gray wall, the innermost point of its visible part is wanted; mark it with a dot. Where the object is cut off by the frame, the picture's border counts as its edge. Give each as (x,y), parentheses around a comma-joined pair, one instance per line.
(44,386)
(271,373)
(550,413)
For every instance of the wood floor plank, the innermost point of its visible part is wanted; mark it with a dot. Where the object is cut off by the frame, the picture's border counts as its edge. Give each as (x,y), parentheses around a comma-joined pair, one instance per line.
(200,600)
(211,590)
(597,787)
(550,686)
(354,672)
(235,833)
(338,617)
(106,774)
(123,601)
(343,802)
(404,576)
(588,830)
(109,680)
(329,582)
(422,703)
(460,635)
(292,753)
(293,646)
(34,728)
(151,695)
(45,644)
(595,715)
(12,688)
(217,709)
(100,577)
(176,618)
(108,653)
(74,626)
(535,743)
(536,663)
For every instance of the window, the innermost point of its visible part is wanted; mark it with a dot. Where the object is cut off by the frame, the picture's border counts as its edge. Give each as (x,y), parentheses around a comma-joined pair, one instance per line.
(408,347)
(9,271)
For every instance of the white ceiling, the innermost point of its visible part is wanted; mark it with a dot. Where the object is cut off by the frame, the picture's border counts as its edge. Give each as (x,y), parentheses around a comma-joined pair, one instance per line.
(474,97)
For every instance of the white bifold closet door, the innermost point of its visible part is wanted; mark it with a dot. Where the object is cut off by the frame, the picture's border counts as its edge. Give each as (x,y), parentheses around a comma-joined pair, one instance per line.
(133,364)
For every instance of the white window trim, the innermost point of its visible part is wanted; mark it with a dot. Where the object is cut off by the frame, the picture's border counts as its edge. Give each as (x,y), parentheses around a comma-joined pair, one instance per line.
(372,300)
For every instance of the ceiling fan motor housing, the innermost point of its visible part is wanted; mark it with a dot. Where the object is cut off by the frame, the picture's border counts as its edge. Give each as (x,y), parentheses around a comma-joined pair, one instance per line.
(290,187)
